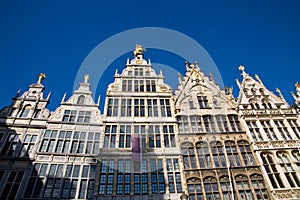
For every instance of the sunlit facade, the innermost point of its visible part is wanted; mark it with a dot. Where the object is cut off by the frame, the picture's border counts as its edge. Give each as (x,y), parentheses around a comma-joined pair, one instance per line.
(152,142)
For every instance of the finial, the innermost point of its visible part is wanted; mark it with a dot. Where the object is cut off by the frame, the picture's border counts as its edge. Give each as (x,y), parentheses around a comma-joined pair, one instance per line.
(210,76)
(297,86)
(186,63)
(42,76)
(63,99)
(98,101)
(86,78)
(241,68)
(238,83)
(279,93)
(116,72)
(228,90)
(138,50)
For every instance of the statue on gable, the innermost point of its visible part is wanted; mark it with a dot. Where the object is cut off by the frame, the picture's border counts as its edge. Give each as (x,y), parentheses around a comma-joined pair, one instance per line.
(138,50)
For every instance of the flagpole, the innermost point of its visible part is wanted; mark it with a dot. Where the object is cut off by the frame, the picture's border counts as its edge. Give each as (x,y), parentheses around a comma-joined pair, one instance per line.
(229,173)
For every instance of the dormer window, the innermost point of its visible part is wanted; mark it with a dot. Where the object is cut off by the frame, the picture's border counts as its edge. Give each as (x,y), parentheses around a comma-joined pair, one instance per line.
(138,72)
(81,99)
(25,111)
(203,101)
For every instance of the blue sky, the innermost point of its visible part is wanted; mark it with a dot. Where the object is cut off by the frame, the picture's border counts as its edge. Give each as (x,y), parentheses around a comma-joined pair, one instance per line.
(54,37)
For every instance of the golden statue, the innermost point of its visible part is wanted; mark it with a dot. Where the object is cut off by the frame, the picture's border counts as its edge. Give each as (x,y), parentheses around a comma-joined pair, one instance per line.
(228,90)
(86,78)
(139,50)
(241,68)
(42,76)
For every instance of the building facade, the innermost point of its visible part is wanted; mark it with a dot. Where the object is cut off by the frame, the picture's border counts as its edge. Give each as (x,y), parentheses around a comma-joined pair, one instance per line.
(199,142)
(272,126)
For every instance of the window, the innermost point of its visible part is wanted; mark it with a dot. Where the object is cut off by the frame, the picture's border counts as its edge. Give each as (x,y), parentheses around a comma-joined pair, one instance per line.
(81,99)
(269,130)
(246,153)
(69,116)
(25,111)
(125,136)
(218,154)
(28,145)
(203,155)
(183,124)
(152,107)
(282,129)
(126,108)
(11,144)
(165,108)
(139,107)
(154,136)
(112,109)
(84,116)
(12,185)
(209,124)
(70,142)
(195,189)
(138,72)
(196,124)
(37,113)
(139,85)
(211,188)
(150,86)
(174,179)
(272,171)
(232,153)
(259,187)
(127,182)
(243,187)
(203,101)
(254,130)
(169,136)
(287,169)
(110,136)
(234,123)
(296,156)
(225,187)
(188,154)
(295,127)
(222,123)
(127,85)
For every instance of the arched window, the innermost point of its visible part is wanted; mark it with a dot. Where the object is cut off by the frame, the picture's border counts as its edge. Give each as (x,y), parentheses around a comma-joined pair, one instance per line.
(232,153)
(296,156)
(211,188)
(25,111)
(246,153)
(225,187)
(272,171)
(194,189)
(259,186)
(188,153)
(81,99)
(203,155)
(243,187)
(289,172)
(218,154)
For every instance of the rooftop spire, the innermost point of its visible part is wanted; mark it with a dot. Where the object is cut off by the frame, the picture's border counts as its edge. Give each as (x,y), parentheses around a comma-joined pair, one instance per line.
(86,78)
(42,76)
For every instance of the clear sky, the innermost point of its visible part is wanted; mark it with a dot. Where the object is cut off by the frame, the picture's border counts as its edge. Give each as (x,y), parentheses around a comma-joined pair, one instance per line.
(54,37)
